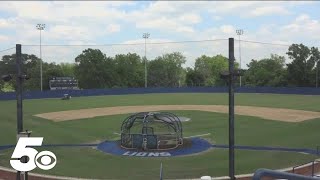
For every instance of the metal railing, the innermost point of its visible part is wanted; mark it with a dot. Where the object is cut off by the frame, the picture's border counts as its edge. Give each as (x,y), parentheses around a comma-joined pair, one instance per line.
(280,175)
(313,163)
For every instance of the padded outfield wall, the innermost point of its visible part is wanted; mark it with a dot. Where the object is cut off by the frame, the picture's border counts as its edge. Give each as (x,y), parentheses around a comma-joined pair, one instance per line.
(122,91)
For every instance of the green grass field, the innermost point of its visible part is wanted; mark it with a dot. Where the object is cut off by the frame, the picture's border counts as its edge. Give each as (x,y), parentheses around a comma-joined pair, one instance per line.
(91,163)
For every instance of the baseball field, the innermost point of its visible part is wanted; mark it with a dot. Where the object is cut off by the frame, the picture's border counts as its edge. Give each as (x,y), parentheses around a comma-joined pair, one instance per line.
(290,121)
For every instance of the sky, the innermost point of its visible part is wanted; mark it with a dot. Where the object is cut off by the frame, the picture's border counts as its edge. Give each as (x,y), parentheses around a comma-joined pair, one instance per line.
(84,23)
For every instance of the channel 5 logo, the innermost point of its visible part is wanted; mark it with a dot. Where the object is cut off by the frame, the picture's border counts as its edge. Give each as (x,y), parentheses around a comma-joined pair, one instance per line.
(32,157)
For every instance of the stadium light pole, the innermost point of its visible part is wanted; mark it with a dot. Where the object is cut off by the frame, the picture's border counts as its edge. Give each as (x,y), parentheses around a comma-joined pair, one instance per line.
(145,36)
(40,27)
(239,33)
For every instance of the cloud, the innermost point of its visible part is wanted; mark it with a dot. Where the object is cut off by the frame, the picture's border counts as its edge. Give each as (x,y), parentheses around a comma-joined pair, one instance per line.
(85,22)
(4,23)
(165,16)
(190,18)
(70,32)
(222,7)
(62,11)
(302,18)
(302,26)
(4,38)
(269,10)
(227,29)
(112,28)
(164,23)
(217,18)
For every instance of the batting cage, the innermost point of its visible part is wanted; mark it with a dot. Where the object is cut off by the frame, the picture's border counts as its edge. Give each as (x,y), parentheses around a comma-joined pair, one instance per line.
(151,131)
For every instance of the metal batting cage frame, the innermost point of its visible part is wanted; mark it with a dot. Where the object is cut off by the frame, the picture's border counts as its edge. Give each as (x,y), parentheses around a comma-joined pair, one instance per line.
(151,131)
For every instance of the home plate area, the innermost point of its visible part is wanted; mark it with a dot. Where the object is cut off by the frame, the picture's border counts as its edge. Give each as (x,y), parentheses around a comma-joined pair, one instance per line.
(191,146)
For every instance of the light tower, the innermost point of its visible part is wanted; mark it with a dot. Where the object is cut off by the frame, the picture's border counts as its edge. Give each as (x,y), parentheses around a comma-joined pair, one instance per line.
(145,36)
(239,33)
(40,27)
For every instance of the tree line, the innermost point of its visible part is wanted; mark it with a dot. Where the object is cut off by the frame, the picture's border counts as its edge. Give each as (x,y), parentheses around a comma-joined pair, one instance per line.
(94,69)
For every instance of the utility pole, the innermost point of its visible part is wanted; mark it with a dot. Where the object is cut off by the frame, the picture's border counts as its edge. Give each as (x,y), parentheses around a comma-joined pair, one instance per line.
(239,33)
(145,36)
(40,27)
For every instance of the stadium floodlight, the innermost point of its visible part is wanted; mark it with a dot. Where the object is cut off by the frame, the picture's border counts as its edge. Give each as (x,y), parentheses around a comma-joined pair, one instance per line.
(41,27)
(239,33)
(145,36)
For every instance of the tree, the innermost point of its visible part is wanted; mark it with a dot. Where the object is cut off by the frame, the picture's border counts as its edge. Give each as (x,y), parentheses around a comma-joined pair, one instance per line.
(182,79)
(316,70)
(266,72)
(208,69)
(194,78)
(94,69)
(303,62)
(30,67)
(317,73)
(130,70)
(68,69)
(166,70)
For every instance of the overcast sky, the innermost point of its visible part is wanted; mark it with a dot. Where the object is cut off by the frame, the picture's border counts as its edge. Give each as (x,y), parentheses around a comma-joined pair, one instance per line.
(110,22)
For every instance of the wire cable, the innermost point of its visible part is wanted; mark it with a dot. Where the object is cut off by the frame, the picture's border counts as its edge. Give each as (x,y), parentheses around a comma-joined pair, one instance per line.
(7,49)
(157,43)
(265,43)
(123,44)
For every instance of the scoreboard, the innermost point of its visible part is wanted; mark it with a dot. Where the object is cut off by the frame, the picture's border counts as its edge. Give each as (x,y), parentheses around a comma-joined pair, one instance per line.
(63,83)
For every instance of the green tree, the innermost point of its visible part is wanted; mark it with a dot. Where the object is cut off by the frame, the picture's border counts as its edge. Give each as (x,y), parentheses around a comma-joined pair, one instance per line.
(208,69)
(94,69)
(30,67)
(266,72)
(182,79)
(303,63)
(68,69)
(194,78)
(316,69)
(130,70)
(166,70)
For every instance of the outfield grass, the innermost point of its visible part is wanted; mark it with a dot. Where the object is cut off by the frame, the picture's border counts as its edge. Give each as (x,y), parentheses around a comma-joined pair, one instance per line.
(88,162)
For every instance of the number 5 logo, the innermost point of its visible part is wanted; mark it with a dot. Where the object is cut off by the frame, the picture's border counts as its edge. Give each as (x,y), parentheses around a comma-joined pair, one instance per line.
(32,154)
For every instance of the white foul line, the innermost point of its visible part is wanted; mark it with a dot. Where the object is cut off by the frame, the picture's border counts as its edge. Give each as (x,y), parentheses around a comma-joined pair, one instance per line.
(198,135)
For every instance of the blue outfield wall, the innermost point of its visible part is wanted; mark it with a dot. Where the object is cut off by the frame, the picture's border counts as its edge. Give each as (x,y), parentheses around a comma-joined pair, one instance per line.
(122,91)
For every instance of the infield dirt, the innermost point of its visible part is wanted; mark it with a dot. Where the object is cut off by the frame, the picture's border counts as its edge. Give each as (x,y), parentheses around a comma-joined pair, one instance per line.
(278,114)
